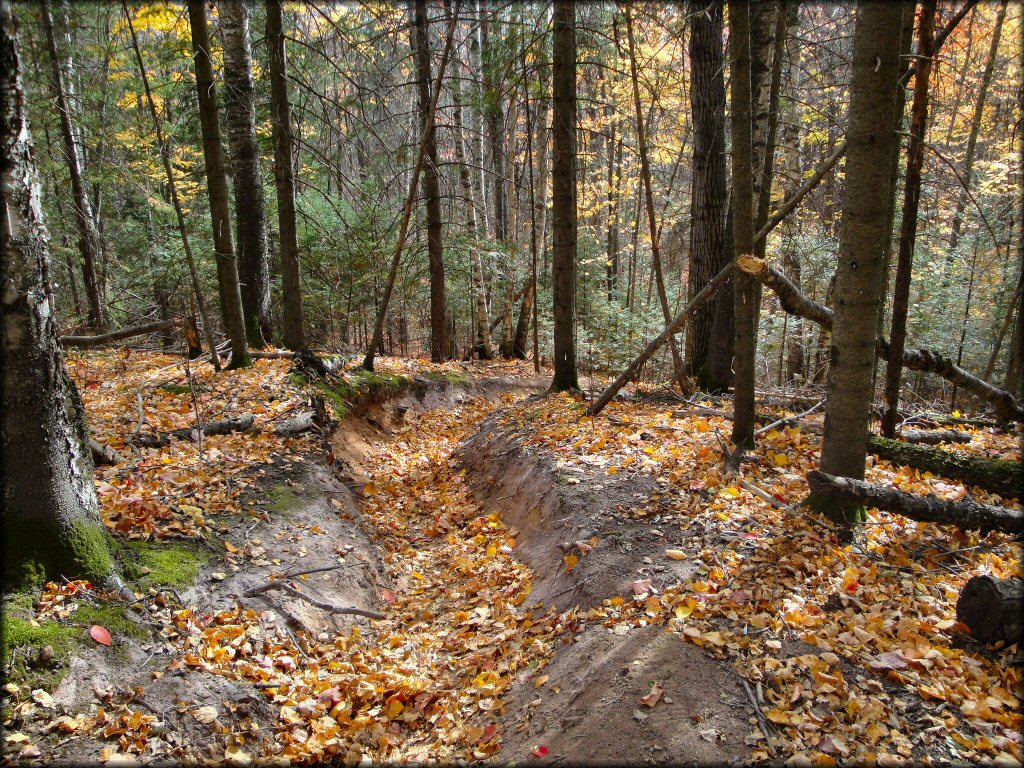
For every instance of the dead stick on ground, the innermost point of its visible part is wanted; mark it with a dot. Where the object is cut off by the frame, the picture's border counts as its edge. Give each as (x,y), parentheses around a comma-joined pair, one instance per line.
(785,420)
(327,606)
(761,722)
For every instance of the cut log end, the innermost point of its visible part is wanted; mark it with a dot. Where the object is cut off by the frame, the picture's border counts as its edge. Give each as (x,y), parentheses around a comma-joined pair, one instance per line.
(992,608)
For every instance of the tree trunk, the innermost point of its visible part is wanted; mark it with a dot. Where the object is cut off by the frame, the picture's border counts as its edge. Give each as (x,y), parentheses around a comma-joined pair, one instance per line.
(908,228)
(165,158)
(793,349)
(51,520)
(523,323)
(992,608)
(652,222)
(1003,477)
(431,186)
(217,187)
(744,309)
(563,202)
(860,284)
(427,136)
(967,514)
(710,333)
(972,139)
(293,334)
(88,238)
(250,211)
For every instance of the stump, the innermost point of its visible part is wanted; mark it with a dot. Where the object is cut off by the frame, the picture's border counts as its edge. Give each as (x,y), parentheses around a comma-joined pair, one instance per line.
(992,608)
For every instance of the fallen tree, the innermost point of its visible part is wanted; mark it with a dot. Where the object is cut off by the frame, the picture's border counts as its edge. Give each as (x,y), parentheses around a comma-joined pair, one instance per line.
(934,436)
(965,514)
(794,302)
(1003,477)
(222,427)
(992,608)
(118,335)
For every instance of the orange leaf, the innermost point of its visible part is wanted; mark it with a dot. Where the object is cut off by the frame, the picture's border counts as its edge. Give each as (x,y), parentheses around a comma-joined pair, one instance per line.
(654,696)
(99,634)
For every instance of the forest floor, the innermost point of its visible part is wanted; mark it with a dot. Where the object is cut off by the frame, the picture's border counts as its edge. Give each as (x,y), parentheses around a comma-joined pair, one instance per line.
(553,588)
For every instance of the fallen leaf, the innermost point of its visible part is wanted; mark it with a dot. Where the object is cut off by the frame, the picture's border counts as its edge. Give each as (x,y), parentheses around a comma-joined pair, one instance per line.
(641,586)
(540,751)
(42,698)
(675,554)
(205,714)
(540,681)
(100,634)
(654,696)
(235,756)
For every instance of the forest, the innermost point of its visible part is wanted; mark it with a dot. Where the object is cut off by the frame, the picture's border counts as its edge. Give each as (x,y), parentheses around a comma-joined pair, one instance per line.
(478,381)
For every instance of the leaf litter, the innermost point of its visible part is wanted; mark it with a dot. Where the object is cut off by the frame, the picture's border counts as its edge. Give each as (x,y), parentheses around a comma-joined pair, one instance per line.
(426,682)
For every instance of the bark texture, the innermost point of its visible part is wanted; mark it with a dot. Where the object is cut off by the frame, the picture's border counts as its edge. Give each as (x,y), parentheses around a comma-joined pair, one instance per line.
(250,209)
(563,201)
(860,283)
(1003,477)
(293,333)
(217,186)
(992,608)
(51,520)
(62,74)
(908,228)
(431,185)
(968,515)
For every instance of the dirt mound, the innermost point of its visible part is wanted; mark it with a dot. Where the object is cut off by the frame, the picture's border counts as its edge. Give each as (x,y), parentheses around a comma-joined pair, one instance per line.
(567,512)
(585,705)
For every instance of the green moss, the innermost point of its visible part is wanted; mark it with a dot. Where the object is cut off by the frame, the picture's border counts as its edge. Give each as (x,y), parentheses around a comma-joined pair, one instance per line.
(170,565)
(284,500)
(448,377)
(175,389)
(843,513)
(34,553)
(344,393)
(19,635)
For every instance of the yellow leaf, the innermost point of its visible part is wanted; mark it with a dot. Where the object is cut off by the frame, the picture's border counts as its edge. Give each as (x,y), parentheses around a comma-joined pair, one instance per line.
(732,491)
(682,611)
(571,561)
(675,554)
(230,547)
(540,681)
(369,489)
(781,460)
(236,756)
(776,715)
(394,709)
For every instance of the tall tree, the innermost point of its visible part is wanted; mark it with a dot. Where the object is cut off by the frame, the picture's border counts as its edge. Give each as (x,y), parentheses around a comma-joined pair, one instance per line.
(51,520)
(710,333)
(652,220)
(908,227)
(431,186)
(293,333)
(217,186)
(563,200)
(743,222)
(63,77)
(172,188)
(863,236)
(250,211)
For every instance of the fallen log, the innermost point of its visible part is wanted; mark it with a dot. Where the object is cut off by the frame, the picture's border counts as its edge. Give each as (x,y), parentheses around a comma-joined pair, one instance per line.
(965,514)
(295,425)
(118,335)
(992,608)
(104,454)
(794,302)
(222,427)
(1003,477)
(934,436)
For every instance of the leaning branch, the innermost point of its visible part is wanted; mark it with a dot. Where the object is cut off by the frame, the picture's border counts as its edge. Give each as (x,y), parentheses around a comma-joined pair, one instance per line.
(966,514)
(794,302)
(118,335)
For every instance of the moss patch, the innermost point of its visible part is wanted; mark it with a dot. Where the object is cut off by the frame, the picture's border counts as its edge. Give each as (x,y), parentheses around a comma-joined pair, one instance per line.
(169,565)
(34,553)
(21,637)
(345,393)
(448,377)
(284,500)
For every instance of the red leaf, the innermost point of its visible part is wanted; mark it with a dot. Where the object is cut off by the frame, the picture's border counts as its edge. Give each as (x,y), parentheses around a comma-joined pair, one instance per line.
(99,634)
(489,731)
(389,596)
(540,751)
